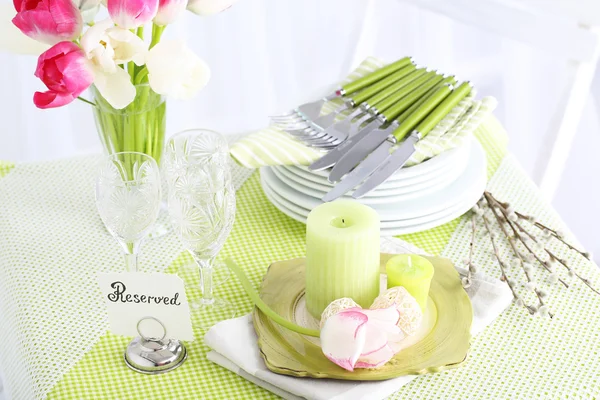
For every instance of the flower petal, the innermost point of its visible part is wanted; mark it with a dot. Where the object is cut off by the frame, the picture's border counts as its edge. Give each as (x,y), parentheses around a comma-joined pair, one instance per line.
(343,337)
(51,99)
(376,358)
(127,46)
(92,37)
(209,7)
(169,11)
(175,71)
(129,14)
(115,87)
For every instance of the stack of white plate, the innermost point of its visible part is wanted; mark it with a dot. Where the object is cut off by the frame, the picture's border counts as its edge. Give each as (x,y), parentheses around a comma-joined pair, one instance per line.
(414,199)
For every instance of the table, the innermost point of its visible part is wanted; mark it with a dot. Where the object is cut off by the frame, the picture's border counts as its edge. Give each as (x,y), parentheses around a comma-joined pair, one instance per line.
(55,340)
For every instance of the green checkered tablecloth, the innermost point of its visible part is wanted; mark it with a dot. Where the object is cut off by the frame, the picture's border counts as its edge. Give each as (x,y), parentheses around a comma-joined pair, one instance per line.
(516,357)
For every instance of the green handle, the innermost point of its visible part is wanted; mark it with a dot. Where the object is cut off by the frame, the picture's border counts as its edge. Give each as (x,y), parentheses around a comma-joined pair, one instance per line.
(263,306)
(375,76)
(390,90)
(382,84)
(443,109)
(396,109)
(445,82)
(431,103)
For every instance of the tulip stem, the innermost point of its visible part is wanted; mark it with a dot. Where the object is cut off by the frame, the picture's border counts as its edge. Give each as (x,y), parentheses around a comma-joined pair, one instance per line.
(142,73)
(157,32)
(262,306)
(140,32)
(86,101)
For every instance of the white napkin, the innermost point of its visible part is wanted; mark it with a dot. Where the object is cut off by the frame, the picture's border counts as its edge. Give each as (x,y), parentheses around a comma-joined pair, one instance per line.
(233,344)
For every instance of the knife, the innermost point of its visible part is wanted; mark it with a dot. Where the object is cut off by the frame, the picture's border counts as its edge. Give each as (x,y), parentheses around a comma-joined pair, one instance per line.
(400,156)
(313,109)
(374,160)
(373,138)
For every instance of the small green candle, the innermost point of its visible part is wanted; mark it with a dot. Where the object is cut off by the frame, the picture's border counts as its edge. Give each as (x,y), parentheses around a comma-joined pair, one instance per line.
(412,272)
(342,254)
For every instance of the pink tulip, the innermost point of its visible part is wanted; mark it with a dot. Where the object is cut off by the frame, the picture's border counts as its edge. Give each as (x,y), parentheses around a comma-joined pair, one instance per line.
(65,71)
(129,14)
(49,21)
(169,11)
(358,338)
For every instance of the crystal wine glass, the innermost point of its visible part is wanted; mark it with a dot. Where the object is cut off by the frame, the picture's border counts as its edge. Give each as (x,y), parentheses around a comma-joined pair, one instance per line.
(201,204)
(128,189)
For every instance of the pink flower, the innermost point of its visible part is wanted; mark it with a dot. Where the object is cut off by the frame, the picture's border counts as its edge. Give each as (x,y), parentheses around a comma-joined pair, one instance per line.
(129,14)
(209,7)
(49,21)
(169,11)
(64,70)
(358,338)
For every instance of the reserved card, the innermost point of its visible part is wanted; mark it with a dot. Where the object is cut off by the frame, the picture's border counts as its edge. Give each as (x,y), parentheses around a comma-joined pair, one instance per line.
(157,300)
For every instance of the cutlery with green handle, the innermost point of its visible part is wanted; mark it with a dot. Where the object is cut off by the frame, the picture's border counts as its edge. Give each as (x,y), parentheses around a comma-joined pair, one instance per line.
(312,110)
(396,159)
(345,128)
(338,152)
(373,137)
(361,97)
(380,155)
(340,131)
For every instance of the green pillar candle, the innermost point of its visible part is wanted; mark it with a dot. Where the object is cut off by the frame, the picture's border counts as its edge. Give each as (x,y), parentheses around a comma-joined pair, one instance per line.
(342,254)
(412,272)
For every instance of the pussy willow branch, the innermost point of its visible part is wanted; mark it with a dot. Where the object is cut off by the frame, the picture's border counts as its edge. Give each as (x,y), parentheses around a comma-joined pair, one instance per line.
(572,271)
(500,218)
(504,207)
(554,233)
(517,235)
(471,244)
(529,308)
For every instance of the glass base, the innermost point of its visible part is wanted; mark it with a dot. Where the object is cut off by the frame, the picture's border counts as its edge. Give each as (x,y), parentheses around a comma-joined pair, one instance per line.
(206,313)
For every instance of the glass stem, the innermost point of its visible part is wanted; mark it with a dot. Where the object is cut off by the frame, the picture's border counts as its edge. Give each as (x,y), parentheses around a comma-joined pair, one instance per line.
(206,279)
(131,256)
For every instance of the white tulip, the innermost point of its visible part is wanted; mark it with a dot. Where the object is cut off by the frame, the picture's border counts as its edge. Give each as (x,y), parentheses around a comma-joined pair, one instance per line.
(209,7)
(108,46)
(175,71)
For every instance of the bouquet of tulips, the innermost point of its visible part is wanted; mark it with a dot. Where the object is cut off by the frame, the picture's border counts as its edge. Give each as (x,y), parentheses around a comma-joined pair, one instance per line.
(128,69)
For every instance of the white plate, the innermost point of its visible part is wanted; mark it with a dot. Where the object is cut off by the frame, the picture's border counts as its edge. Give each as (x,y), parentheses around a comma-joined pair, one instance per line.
(275,198)
(463,187)
(435,163)
(376,196)
(454,164)
(385,231)
(388,196)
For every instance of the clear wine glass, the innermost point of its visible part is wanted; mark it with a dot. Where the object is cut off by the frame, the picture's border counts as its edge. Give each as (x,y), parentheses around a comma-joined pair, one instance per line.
(128,194)
(201,203)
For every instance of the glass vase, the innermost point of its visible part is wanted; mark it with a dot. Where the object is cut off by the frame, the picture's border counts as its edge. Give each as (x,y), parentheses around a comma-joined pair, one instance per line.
(139,127)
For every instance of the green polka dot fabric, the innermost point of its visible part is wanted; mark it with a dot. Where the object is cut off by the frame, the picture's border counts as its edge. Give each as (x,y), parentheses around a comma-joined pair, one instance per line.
(515,357)
(5,168)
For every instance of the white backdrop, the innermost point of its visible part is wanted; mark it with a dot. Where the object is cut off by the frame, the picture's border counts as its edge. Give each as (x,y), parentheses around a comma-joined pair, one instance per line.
(267,54)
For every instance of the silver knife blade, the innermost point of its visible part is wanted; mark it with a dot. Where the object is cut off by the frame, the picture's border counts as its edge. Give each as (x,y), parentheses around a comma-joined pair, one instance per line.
(393,163)
(361,149)
(334,155)
(360,173)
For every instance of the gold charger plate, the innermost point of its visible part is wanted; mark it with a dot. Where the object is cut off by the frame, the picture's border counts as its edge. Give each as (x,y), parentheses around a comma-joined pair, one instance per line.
(442,345)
